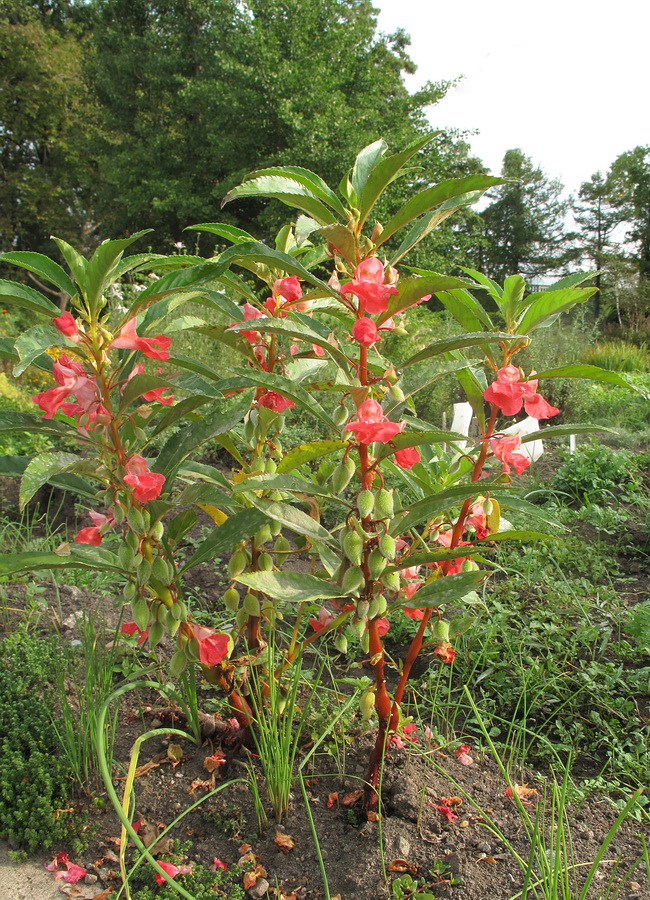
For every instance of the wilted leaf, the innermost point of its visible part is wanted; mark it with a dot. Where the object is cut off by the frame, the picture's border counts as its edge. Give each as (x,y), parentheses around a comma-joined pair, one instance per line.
(351,797)
(401,865)
(284,841)
(174,754)
(451,801)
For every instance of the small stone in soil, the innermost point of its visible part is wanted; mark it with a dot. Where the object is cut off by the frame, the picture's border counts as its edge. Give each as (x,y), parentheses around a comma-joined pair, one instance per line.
(259,889)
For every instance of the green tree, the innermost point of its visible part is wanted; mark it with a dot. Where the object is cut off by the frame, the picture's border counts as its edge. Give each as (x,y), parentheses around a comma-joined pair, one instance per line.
(44,114)
(524,224)
(629,180)
(597,217)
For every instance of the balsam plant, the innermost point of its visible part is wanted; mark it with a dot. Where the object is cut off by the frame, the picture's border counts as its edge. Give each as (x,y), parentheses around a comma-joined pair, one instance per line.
(304,338)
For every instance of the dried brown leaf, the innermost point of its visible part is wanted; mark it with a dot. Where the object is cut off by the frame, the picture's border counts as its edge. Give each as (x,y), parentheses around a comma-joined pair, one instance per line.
(284,841)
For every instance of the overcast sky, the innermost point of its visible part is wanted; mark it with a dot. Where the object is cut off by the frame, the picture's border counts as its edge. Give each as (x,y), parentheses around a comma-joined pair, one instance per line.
(567,81)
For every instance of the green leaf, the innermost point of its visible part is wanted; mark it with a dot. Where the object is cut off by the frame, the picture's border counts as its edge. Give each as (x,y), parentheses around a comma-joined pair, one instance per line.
(34,342)
(594,373)
(11,420)
(283,482)
(229,232)
(365,162)
(509,501)
(572,280)
(101,265)
(562,430)
(410,290)
(294,519)
(309,180)
(421,559)
(305,453)
(456,343)
(27,298)
(342,239)
(435,196)
(548,305)
(292,587)
(14,466)
(444,590)
(76,263)
(41,469)
(279,384)
(181,281)
(425,224)
(380,174)
(472,381)
(224,537)
(514,288)
(445,500)
(180,412)
(224,417)
(139,385)
(287,189)
(517,535)
(204,493)
(182,523)
(465,309)
(283,262)
(291,327)
(42,266)
(81,556)
(7,350)
(415,438)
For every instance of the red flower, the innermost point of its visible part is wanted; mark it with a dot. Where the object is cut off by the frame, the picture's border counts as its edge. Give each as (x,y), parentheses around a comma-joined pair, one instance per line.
(218,864)
(146,485)
(509,394)
(213,646)
(132,628)
(408,457)
(372,425)
(382,626)
(413,613)
(445,652)
(504,447)
(93,534)
(365,332)
(275,402)
(368,285)
(170,868)
(154,348)
(251,312)
(288,288)
(324,619)
(447,811)
(72,378)
(67,325)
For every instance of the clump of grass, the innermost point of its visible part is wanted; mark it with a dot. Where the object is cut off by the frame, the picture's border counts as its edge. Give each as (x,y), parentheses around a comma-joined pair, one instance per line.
(619,356)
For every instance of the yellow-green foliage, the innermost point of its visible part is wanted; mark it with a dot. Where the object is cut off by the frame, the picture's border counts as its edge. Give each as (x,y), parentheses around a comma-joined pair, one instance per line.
(13,397)
(619,356)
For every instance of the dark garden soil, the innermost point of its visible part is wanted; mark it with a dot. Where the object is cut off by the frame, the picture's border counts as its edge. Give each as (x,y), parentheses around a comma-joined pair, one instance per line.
(437,820)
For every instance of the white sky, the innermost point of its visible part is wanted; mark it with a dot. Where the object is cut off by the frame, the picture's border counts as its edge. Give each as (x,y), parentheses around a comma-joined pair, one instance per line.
(567,81)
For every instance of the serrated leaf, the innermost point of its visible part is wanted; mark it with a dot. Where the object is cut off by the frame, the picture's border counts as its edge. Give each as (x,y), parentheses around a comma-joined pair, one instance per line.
(80,556)
(238,528)
(308,179)
(27,298)
(375,171)
(229,232)
(40,470)
(446,589)
(415,438)
(279,384)
(100,266)
(180,412)
(465,309)
(42,266)
(593,373)
(411,290)
(179,526)
(365,162)
(292,587)
(547,305)
(205,493)
(14,466)
(33,343)
(11,420)
(287,189)
(426,223)
(342,239)
(76,263)
(283,262)
(142,384)
(562,430)
(517,535)
(284,482)
(457,343)
(305,453)
(292,518)
(181,281)
(445,500)
(291,327)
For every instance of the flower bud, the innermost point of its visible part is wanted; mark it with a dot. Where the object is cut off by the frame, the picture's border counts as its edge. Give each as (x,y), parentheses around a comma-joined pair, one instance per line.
(352,580)
(440,630)
(341,643)
(365,503)
(396,393)
(488,506)
(391,581)
(118,514)
(132,541)
(172,624)
(251,605)
(161,614)
(469,566)
(376,564)
(384,504)
(387,546)
(231,599)
(143,572)
(353,547)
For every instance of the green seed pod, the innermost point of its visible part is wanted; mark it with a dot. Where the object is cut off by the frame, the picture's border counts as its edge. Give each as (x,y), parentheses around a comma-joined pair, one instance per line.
(362,609)
(263,536)
(353,547)
(359,627)
(166,597)
(158,531)
(172,624)
(118,514)
(128,591)
(251,605)
(249,431)
(391,581)
(367,704)
(237,563)
(469,566)
(434,535)
(140,612)
(384,504)
(276,496)
(231,600)
(488,507)
(396,393)
(160,570)
(271,467)
(364,642)
(178,663)
(136,520)
(340,416)
(257,466)
(387,546)
(376,564)
(147,550)
(126,556)
(440,630)
(341,643)
(278,449)
(373,608)
(143,572)
(265,562)
(352,580)
(182,610)
(341,476)
(140,434)
(365,503)
(156,633)
(276,527)
(146,515)
(382,605)
(132,541)
(281,545)
(241,617)
(161,614)
(176,611)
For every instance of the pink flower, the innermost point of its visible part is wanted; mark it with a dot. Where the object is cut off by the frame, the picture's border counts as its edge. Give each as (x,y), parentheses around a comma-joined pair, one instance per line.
(154,348)
(369,287)
(365,332)
(155,395)
(477,519)
(213,646)
(89,535)
(146,485)
(72,378)
(251,312)
(372,425)
(132,628)
(323,620)
(170,868)
(462,755)
(509,394)
(73,873)
(218,864)
(93,534)
(290,291)
(408,457)
(276,402)
(407,734)
(504,449)
(67,325)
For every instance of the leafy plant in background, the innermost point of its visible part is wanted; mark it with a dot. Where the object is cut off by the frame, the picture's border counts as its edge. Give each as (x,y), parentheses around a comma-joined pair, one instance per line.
(303,338)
